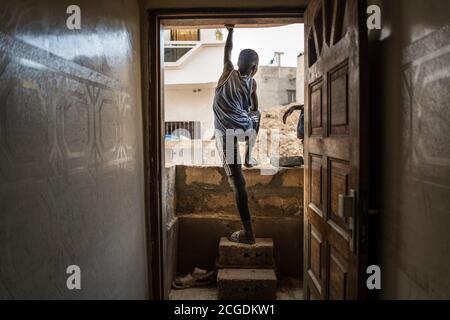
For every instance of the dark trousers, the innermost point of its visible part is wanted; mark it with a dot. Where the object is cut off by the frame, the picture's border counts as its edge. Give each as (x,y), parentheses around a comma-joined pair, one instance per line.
(231,161)
(228,147)
(237,183)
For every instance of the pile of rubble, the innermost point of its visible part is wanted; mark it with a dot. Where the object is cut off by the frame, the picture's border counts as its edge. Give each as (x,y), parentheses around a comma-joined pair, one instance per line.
(180,152)
(272,118)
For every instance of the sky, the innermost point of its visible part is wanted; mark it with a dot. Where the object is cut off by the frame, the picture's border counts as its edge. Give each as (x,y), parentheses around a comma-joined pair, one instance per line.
(265,41)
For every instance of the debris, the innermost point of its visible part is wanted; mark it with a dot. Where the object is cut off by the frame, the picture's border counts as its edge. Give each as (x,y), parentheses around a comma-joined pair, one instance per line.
(289,144)
(293,161)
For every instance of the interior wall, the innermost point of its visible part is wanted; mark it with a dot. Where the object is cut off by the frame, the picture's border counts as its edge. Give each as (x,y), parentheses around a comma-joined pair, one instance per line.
(410,77)
(71,167)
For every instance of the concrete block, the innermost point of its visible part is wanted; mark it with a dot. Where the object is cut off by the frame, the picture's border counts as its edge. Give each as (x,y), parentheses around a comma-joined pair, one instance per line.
(204,231)
(232,254)
(294,161)
(246,284)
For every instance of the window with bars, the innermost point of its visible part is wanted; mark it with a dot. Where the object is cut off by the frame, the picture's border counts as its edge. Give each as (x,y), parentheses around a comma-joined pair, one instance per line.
(291,96)
(188,129)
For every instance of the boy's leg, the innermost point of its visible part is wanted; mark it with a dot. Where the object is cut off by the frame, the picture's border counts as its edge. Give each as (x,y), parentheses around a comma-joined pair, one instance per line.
(233,169)
(237,183)
(250,140)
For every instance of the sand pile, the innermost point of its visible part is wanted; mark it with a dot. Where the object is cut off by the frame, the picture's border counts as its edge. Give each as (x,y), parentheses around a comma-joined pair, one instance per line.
(272,118)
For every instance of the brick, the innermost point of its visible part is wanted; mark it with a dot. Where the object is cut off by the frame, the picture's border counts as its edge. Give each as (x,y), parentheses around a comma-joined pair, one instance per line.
(246,284)
(292,178)
(232,254)
(203,175)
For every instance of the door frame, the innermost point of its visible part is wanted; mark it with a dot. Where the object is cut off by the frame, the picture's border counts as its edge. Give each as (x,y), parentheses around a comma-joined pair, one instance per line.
(153,113)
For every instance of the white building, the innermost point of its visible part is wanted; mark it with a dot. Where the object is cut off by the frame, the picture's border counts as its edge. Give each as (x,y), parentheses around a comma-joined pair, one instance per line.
(193,64)
(275,86)
(300,79)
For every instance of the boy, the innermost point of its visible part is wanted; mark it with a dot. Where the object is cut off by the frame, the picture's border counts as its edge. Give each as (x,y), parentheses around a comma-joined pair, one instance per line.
(236,118)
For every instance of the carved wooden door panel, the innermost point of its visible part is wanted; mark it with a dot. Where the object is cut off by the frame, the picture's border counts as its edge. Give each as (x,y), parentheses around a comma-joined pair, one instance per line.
(335,151)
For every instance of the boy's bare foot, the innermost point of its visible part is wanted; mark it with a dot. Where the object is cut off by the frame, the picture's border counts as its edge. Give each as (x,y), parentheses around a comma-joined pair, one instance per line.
(242,237)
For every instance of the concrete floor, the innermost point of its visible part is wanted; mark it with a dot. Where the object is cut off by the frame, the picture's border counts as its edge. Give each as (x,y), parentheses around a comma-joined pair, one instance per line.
(288,289)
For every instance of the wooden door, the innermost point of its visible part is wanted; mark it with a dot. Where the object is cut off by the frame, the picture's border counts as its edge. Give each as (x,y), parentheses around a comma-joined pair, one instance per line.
(335,151)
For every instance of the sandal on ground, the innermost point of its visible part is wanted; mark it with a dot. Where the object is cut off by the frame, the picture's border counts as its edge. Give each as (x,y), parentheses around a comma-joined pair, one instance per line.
(197,278)
(242,237)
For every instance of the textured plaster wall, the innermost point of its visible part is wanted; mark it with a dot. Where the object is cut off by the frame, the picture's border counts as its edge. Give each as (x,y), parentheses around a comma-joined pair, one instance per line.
(410,77)
(71,168)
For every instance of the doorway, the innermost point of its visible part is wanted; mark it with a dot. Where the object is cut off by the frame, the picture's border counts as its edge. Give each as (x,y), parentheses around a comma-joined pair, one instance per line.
(188,25)
(336,140)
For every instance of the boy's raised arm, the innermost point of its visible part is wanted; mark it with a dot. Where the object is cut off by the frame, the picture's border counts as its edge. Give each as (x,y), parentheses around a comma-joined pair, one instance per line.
(227,64)
(290,110)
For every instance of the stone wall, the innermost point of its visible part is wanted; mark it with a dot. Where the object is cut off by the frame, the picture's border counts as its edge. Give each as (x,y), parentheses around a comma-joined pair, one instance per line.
(206,211)
(206,190)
